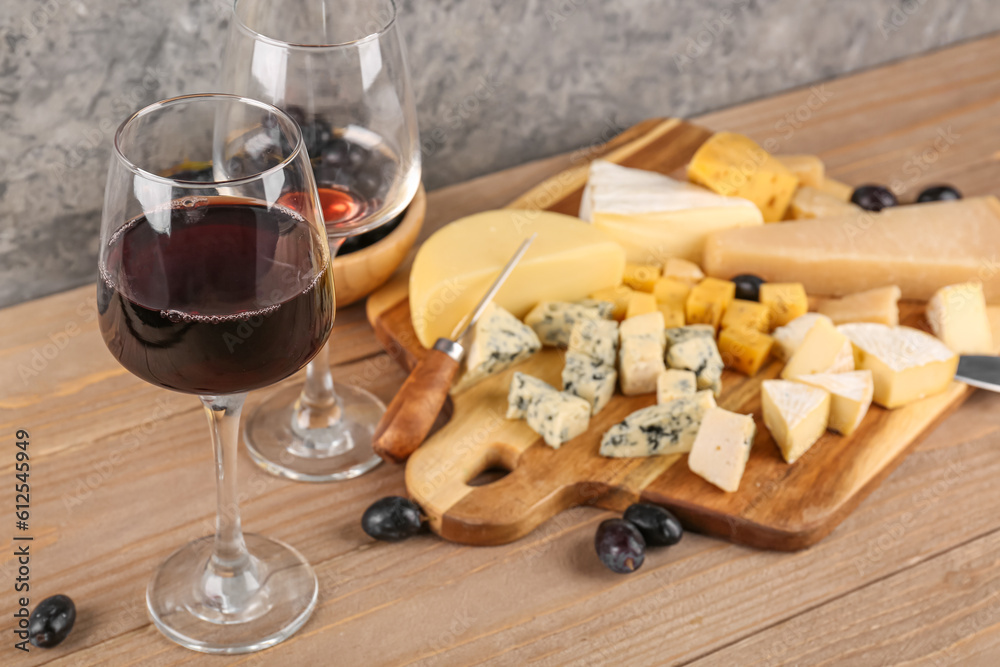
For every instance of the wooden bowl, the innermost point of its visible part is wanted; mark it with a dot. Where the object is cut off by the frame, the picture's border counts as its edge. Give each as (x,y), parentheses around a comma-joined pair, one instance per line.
(360,273)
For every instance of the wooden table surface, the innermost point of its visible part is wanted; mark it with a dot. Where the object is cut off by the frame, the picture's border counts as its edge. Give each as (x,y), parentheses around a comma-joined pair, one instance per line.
(121,476)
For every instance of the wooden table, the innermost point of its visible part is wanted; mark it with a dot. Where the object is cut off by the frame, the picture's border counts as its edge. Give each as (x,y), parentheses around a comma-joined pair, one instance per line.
(121,476)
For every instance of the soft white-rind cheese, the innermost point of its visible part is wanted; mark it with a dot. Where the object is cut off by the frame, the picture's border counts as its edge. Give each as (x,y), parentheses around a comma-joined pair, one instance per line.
(788,338)
(796,415)
(850,397)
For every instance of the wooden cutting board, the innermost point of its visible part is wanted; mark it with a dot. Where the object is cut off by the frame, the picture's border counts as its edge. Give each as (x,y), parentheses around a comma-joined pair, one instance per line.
(778,506)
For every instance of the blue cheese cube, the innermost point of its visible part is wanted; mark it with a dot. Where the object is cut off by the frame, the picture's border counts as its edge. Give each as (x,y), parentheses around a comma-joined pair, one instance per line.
(499,340)
(558,417)
(680,334)
(597,339)
(674,383)
(658,430)
(589,379)
(553,320)
(721,449)
(700,355)
(524,390)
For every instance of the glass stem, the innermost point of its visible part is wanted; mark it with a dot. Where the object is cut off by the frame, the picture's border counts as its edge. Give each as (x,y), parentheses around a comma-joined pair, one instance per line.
(230,578)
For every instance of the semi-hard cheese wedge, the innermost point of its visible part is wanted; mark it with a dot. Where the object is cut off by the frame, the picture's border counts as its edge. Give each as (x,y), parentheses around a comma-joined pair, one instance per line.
(659,429)
(597,339)
(589,379)
(788,338)
(906,364)
(701,356)
(814,203)
(920,248)
(453,269)
(720,450)
(554,320)
(654,217)
(734,165)
(809,169)
(823,350)
(499,340)
(674,383)
(879,305)
(850,397)
(796,415)
(957,315)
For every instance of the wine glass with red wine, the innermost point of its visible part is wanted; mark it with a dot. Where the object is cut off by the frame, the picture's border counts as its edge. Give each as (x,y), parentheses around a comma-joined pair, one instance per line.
(215,280)
(338,68)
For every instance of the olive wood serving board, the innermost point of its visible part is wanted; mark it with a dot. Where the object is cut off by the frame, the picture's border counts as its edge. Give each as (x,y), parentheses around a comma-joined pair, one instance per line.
(778,506)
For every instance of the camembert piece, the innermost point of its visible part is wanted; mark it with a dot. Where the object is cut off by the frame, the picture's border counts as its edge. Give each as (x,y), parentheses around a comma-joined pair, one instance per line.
(879,305)
(957,315)
(683,271)
(708,300)
(700,355)
(921,248)
(850,397)
(814,203)
(654,217)
(742,314)
(735,166)
(499,340)
(453,269)
(795,414)
(786,301)
(641,277)
(589,379)
(720,450)
(553,320)
(809,169)
(659,429)
(674,383)
(788,338)
(618,298)
(823,350)
(906,364)
(745,350)
(597,339)
(640,303)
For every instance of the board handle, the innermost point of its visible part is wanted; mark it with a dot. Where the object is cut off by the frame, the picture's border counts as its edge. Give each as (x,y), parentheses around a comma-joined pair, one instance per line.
(413,411)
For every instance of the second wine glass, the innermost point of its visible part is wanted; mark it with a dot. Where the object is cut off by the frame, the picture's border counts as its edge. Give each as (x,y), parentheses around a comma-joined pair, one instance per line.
(339,69)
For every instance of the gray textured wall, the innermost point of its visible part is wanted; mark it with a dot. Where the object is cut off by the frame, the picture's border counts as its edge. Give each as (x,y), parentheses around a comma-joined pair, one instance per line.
(498,82)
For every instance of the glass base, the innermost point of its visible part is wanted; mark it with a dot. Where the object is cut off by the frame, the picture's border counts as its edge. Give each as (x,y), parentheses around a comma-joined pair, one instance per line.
(342,450)
(206,611)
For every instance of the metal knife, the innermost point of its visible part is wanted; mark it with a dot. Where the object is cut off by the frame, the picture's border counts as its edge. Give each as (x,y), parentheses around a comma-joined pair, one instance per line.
(979,371)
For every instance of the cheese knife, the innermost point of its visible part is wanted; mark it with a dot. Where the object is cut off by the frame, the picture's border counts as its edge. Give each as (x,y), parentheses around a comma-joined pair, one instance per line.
(979,371)
(413,411)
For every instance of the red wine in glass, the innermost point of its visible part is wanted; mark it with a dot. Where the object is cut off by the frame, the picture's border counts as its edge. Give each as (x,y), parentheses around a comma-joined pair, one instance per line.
(229,299)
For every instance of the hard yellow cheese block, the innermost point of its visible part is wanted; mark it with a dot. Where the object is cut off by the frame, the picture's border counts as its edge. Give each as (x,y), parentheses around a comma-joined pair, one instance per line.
(735,166)
(747,314)
(744,350)
(795,414)
(957,315)
(920,248)
(906,364)
(850,397)
(655,217)
(640,303)
(823,350)
(879,305)
(453,269)
(809,169)
(641,277)
(617,296)
(708,301)
(786,301)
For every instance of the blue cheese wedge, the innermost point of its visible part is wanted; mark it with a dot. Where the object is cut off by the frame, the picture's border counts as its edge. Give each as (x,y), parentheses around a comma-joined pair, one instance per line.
(659,429)
(597,339)
(680,334)
(588,378)
(721,449)
(553,320)
(558,417)
(674,383)
(524,390)
(701,356)
(499,340)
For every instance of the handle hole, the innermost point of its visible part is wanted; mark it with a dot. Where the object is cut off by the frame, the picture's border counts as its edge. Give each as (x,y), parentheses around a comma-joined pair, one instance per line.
(492,473)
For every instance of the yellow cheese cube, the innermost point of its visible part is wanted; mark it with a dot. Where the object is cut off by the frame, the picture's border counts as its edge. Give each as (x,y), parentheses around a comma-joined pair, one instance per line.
(841,191)
(734,165)
(742,314)
(683,270)
(672,291)
(640,303)
(808,168)
(641,277)
(673,314)
(618,297)
(786,301)
(708,300)
(810,202)
(744,350)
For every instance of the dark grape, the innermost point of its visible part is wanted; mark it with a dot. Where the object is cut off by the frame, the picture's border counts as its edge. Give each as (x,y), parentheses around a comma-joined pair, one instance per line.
(51,621)
(659,527)
(873,197)
(939,193)
(620,546)
(748,287)
(392,519)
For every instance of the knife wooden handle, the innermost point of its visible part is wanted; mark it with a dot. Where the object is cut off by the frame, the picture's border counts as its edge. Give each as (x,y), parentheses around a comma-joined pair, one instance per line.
(412,412)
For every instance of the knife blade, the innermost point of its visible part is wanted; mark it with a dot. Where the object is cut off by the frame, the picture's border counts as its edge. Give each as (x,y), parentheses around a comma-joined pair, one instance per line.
(979,371)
